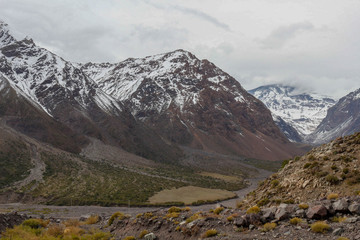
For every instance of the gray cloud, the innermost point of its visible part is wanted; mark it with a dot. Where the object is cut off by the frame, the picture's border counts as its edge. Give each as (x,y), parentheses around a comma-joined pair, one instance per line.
(191,11)
(203,16)
(280,36)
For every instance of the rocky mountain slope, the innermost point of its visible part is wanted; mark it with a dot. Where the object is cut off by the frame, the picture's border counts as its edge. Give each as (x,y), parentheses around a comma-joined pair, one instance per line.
(192,102)
(342,119)
(330,168)
(67,95)
(294,110)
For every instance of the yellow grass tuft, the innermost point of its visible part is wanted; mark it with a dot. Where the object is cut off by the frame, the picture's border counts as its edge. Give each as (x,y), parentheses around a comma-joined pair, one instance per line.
(174,209)
(129,238)
(303,206)
(92,220)
(253,209)
(143,233)
(320,227)
(295,221)
(269,226)
(333,196)
(210,233)
(218,210)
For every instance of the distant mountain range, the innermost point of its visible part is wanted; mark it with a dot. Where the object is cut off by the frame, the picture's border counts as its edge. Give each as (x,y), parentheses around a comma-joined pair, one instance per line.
(151,107)
(308,117)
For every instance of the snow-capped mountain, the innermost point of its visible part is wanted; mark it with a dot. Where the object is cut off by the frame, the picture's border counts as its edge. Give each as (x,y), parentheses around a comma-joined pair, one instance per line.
(69,96)
(193,103)
(301,111)
(342,119)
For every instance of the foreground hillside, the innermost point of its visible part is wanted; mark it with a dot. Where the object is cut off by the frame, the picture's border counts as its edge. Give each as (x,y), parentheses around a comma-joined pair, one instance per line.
(330,168)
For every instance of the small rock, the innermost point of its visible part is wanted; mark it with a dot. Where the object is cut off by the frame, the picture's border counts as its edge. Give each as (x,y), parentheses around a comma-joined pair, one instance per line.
(316,212)
(338,231)
(351,220)
(150,236)
(355,208)
(287,233)
(300,213)
(341,205)
(251,227)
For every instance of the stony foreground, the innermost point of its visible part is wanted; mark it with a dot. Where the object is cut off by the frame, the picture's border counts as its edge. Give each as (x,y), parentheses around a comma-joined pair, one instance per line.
(323,219)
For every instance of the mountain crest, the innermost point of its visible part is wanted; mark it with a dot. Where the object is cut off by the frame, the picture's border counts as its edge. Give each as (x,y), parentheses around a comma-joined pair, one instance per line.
(5,36)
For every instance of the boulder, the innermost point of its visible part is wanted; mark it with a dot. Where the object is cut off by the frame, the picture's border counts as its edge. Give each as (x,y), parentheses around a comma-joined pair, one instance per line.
(268,214)
(316,212)
(341,205)
(282,212)
(241,222)
(354,208)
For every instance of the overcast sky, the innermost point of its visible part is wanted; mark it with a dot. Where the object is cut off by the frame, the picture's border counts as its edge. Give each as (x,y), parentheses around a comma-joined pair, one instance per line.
(313,44)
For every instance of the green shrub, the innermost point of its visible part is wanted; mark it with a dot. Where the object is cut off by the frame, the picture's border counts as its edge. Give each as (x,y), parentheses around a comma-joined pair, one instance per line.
(284,163)
(320,227)
(263,202)
(35,223)
(274,183)
(307,165)
(332,179)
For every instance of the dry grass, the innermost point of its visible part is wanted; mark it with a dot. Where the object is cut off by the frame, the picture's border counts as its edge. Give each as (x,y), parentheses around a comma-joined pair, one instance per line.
(117,215)
(303,206)
(174,209)
(269,226)
(338,219)
(143,233)
(333,196)
(129,238)
(320,227)
(92,220)
(190,194)
(72,223)
(254,209)
(218,210)
(295,221)
(210,233)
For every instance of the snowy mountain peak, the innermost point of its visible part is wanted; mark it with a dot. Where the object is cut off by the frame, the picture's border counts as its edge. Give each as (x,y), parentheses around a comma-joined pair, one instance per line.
(302,111)
(5,36)
(176,77)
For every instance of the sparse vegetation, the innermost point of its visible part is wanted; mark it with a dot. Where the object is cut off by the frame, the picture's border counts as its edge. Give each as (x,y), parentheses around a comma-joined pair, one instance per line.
(218,210)
(210,233)
(332,179)
(143,233)
(129,238)
(320,227)
(254,209)
(333,196)
(117,215)
(268,227)
(338,219)
(92,219)
(295,221)
(303,206)
(174,209)
(274,183)
(263,202)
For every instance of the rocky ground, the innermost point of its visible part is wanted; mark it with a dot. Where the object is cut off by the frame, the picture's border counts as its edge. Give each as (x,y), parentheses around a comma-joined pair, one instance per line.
(338,217)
